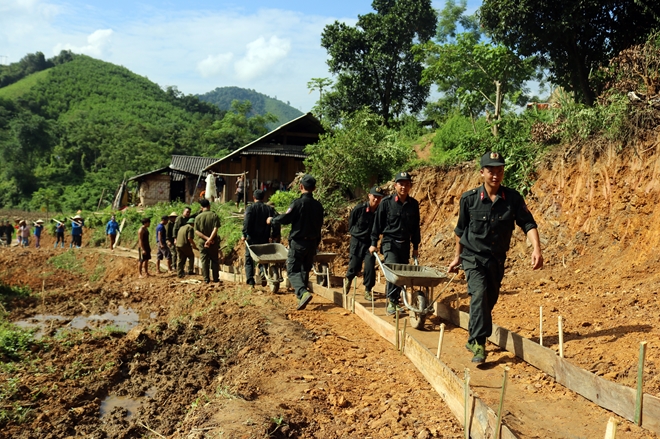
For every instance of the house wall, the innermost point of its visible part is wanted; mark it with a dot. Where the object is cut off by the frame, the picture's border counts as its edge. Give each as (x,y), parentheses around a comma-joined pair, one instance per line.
(266,168)
(154,189)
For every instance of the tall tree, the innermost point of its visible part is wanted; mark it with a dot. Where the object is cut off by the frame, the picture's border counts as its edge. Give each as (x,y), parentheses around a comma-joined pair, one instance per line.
(373,61)
(573,37)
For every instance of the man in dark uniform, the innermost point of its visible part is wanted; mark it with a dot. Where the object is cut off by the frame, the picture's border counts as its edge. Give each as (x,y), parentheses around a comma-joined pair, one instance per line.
(397,219)
(360,224)
(207,224)
(256,231)
(486,220)
(3,232)
(306,218)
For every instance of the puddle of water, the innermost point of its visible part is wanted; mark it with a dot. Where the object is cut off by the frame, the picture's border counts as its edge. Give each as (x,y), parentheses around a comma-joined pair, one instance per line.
(130,404)
(125,319)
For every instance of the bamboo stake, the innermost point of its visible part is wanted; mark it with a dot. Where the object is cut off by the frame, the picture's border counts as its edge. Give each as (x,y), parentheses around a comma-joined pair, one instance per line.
(610,433)
(541,325)
(466,388)
(396,337)
(354,292)
(499,411)
(561,337)
(403,339)
(640,383)
(442,335)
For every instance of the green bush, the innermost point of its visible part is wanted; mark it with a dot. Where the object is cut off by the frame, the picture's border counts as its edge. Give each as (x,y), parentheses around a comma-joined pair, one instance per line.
(283,199)
(14,341)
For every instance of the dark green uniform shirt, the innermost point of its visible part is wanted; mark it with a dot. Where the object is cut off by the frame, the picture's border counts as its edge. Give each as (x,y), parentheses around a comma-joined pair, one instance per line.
(205,223)
(306,218)
(361,222)
(485,227)
(397,221)
(255,228)
(185,232)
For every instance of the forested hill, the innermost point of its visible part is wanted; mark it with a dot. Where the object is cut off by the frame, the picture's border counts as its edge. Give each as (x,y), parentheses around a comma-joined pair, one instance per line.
(69,132)
(261,104)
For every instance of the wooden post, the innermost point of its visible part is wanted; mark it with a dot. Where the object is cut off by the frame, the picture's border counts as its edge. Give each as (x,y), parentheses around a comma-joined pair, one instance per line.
(458,302)
(121,227)
(640,384)
(100,199)
(610,433)
(499,411)
(396,324)
(561,337)
(372,303)
(541,325)
(403,338)
(466,388)
(442,335)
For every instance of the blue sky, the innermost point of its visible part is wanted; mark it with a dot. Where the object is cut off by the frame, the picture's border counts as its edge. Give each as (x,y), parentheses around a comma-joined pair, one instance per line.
(196,45)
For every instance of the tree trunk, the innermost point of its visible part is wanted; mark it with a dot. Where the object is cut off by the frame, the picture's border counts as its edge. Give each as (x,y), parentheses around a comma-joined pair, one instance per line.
(498,108)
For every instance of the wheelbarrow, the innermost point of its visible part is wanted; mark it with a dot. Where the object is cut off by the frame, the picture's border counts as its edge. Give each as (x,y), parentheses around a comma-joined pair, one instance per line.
(416,284)
(322,267)
(273,259)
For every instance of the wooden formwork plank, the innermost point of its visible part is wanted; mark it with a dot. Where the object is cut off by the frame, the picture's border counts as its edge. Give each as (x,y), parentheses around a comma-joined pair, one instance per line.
(440,376)
(612,396)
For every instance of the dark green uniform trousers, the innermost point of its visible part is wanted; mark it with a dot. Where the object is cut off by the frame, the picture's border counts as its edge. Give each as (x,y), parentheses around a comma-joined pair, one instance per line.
(185,253)
(395,253)
(298,264)
(208,257)
(484,281)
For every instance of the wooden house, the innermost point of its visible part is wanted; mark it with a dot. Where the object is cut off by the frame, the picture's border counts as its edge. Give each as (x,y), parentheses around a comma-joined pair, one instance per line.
(272,161)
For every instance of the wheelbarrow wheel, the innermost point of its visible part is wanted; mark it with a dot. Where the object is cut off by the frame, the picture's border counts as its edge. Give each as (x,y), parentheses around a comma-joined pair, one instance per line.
(274,275)
(417,301)
(322,279)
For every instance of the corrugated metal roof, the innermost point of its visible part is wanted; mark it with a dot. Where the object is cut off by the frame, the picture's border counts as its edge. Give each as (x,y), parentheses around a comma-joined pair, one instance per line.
(289,150)
(191,164)
(146,174)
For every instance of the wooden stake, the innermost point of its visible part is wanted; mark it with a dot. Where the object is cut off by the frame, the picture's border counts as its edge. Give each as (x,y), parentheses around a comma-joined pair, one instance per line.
(403,338)
(466,388)
(610,433)
(372,303)
(499,411)
(640,384)
(541,325)
(442,335)
(396,324)
(561,337)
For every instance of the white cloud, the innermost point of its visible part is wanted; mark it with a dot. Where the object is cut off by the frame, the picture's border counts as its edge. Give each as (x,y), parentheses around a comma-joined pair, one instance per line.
(96,44)
(215,65)
(260,56)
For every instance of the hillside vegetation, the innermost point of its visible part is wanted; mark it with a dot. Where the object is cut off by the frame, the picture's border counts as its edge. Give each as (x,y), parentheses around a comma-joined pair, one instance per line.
(261,104)
(70,132)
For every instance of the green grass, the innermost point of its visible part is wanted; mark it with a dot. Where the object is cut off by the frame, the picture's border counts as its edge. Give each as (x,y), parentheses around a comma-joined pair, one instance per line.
(8,293)
(14,341)
(23,86)
(67,261)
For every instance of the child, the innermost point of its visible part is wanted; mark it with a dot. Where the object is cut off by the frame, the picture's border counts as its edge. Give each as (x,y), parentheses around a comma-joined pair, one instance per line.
(144,249)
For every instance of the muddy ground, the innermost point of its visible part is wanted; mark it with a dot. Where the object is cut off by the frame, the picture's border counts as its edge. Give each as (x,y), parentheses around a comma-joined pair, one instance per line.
(222,361)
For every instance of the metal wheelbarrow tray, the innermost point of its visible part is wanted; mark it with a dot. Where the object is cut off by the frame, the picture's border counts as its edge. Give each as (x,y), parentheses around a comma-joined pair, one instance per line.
(412,275)
(268,253)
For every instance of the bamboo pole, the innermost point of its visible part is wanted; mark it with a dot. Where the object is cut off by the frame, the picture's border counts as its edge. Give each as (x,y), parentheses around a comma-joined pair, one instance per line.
(442,335)
(610,432)
(499,411)
(396,337)
(466,388)
(561,337)
(403,338)
(640,384)
(354,292)
(541,325)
